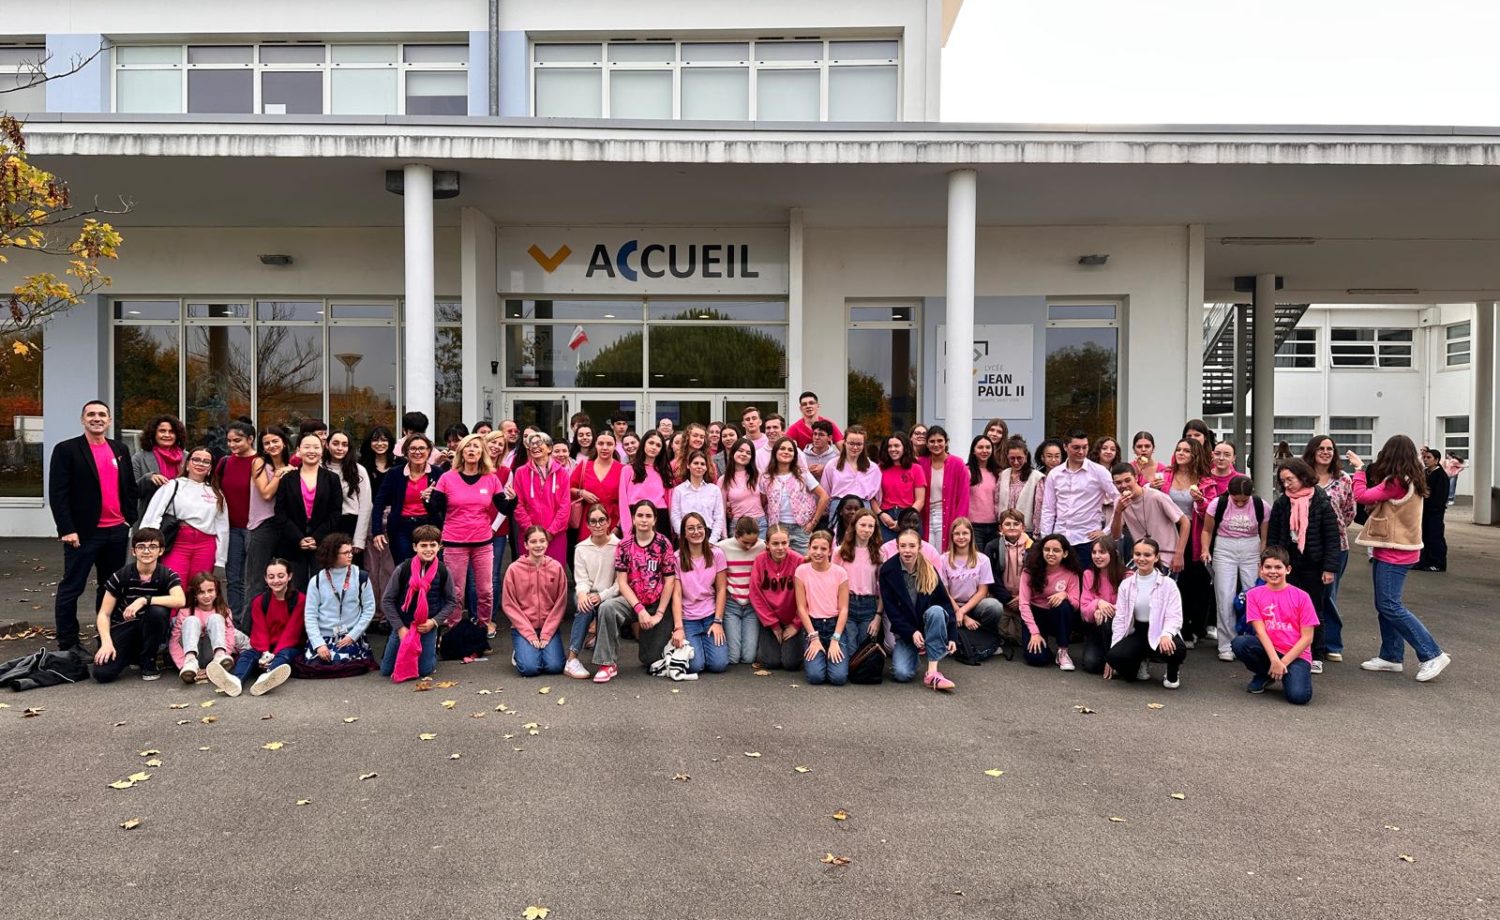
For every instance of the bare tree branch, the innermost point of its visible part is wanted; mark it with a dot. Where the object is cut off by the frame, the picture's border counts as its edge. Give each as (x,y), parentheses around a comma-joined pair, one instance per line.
(39,74)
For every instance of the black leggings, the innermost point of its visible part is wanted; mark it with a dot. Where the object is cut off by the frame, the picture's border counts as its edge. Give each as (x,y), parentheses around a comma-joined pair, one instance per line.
(1095,647)
(1127,654)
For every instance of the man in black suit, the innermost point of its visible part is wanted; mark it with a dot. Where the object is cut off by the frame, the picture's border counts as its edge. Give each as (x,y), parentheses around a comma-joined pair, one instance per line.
(91,490)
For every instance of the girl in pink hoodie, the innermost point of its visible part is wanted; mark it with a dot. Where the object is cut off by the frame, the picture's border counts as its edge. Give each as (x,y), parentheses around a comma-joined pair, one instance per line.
(535,592)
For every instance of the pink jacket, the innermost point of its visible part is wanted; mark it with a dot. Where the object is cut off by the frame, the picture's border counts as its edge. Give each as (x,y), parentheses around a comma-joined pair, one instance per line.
(1093,594)
(174,645)
(542,500)
(1166,610)
(534,597)
(955,495)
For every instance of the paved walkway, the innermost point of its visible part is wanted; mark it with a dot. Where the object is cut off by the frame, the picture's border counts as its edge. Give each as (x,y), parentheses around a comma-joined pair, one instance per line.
(639,799)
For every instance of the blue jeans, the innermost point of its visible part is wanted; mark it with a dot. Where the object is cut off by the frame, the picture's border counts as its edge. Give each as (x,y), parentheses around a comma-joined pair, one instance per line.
(498,545)
(708,655)
(248,662)
(1297,682)
(798,536)
(1333,624)
(104,552)
(934,636)
(742,628)
(857,627)
(531,661)
(887,534)
(1399,626)
(580,631)
(234,568)
(426,661)
(819,668)
(1055,623)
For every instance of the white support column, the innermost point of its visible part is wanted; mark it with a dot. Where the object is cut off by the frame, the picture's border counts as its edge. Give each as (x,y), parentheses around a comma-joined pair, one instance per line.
(481,315)
(1482,420)
(1263,414)
(1241,359)
(421,327)
(963,193)
(794,310)
(1193,377)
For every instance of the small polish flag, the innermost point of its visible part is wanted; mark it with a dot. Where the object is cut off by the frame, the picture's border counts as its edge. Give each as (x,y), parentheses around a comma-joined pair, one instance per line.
(578,339)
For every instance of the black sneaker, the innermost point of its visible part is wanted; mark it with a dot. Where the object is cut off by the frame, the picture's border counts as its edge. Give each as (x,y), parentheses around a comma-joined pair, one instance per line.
(150,674)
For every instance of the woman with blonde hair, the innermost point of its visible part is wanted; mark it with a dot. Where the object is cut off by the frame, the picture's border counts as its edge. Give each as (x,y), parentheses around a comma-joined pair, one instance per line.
(920,612)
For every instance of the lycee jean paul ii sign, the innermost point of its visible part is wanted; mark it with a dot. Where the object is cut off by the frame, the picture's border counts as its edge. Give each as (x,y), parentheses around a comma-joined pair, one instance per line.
(642,260)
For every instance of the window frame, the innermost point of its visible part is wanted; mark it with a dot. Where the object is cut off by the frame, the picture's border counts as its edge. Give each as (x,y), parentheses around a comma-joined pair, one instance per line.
(753,64)
(258,68)
(1347,436)
(40,342)
(35,68)
(1466,340)
(1448,438)
(1376,342)
(913,325)
(1289,352)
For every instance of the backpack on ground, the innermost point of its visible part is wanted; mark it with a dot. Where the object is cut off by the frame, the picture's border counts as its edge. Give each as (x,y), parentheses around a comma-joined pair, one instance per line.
(867,664)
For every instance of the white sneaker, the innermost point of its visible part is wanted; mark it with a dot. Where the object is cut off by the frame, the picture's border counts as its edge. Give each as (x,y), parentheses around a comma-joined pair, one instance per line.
(575,669)
(189,670)
(1171,684)
(1064,661)
(1317,666)
(1226,656)
(223,679)
(271,680)
(1190,643)
(1335,656)
(1380,664)
(1432,667)
(1211,633)
(1143,672)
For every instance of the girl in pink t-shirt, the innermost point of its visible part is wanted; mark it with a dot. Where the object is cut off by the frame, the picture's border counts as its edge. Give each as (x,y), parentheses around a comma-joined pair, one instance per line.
(699,595)
(822,590)
(741,485)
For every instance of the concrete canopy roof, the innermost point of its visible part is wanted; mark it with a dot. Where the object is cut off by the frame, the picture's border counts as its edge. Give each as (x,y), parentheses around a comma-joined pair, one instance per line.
(1387,208)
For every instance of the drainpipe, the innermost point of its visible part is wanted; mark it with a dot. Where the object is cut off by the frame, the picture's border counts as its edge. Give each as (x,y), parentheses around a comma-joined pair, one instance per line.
(494,58)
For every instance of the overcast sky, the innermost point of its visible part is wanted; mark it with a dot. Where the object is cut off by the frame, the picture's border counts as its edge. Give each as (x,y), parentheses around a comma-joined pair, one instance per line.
(1201,61)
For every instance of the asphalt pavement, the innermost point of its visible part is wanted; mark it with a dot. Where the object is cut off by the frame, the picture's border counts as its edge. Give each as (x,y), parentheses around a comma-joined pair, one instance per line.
(716,799)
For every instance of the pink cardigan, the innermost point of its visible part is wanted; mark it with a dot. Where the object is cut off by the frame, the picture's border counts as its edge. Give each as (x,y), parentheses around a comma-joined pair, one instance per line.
(540,500)
(955,497)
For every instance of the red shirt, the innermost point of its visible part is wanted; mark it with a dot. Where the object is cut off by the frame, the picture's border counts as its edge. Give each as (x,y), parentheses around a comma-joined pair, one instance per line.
(412,506)
(801,432)
(234,482)
(108,466)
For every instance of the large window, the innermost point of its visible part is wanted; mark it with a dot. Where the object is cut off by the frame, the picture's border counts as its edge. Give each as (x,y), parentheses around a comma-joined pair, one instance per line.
(1456,339)
(210,361)
(21,66)
(21,415)
(777,80)
(882,381)
(1296,431)
(1455,431)
(1353,432)
(1370,347)
(293,79)
(1299,350)
(1083,368)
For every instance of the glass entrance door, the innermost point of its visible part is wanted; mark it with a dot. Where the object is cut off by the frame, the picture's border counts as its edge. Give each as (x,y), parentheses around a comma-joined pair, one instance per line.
(544,413)
(684,408)
(601,407)
(553,411)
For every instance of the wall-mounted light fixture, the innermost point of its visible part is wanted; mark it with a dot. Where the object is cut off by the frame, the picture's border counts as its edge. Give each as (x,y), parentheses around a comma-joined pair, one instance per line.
(275,258)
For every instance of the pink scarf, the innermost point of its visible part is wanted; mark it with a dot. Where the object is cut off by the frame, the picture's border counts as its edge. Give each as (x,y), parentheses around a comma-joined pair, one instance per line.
(169,459)
(1301,498)
(417,588)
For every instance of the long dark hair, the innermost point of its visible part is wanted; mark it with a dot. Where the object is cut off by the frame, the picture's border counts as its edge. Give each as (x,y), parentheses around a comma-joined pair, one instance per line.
(773,464)
(367,453)
(1310,454)
(1398,460)
(286,445)
(1035,566)
(685,552)
(1016,442)
(1199,465)
(884,456)
(1200,426)
(348,467)
(975,470)
(1114,570)
(662,465)
(752,475)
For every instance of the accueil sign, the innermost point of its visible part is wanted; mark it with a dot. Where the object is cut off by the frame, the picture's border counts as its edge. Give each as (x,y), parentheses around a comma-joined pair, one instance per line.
(559,260)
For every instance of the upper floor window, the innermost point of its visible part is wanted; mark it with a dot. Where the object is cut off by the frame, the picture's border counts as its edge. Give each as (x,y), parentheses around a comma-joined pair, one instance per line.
(1456,341)
(293,79)
(800,80)
(21,66)
(1299,349)
(1370,347)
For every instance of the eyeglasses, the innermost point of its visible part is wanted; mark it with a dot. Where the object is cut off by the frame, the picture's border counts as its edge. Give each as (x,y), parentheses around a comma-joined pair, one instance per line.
(200,460)
(347,551)
(598,520)
(148,547)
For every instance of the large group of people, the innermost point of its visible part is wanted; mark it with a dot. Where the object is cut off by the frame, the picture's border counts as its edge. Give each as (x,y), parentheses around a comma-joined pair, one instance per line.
(807,547)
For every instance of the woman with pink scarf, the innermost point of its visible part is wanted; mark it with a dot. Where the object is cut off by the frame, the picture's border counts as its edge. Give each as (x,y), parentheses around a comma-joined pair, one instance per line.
(1303,522)
(540,488)
(160,460)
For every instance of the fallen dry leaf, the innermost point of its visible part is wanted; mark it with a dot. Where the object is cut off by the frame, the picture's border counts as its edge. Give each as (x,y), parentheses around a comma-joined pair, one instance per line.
(1115,820)
(32,712)
(995,773)
(445,684)
(762,673)
(681,777)
(131,824)
(509,736)
(1083,710)
(4,705)
(422,685)
(139,777)
(365,776)
(184,721)
(675,690)
(535,912)
(562,701)
(119,724)
(1404,858)
(1177,795)
(350,720)
(840,815)
(802,769)
(149,752)
(121,784)
(483,692)
(154,762)
(206,704)
(267,717)
(1392,827)
(178,706)
(449,704)
(1156,705)
(752,753)
(530,725)
(832,860)
(427,736)
(454,756)
(274,745)
(478,715)
(502,708)
(209,720)
(545,690)
(301,802)
(205,748)
(533,731)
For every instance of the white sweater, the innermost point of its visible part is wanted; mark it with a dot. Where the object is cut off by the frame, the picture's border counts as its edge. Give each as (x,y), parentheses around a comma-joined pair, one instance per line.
(360,504)
(196,506)
(594,568)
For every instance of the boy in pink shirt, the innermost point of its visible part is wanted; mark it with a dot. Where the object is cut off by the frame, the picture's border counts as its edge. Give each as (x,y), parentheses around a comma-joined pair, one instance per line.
(1283,617)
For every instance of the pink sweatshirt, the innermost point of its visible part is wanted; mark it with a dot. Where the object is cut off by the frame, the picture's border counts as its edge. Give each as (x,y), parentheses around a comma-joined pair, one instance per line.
(534,597)
(651,489)
(1093,594)
(1057,579)
(542,500)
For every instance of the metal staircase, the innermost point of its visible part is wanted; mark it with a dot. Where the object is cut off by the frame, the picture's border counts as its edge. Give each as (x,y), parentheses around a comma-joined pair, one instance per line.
(1218,351)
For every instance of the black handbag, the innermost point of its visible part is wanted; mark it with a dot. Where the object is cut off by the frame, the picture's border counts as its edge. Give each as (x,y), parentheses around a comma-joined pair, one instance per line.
(867,664)
(170,525)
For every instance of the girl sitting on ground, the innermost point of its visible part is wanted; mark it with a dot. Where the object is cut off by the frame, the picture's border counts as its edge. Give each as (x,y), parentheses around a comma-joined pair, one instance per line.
(536,592)
(822,591)
(276,624)
(1101,586)
(207,613)
(1051,595)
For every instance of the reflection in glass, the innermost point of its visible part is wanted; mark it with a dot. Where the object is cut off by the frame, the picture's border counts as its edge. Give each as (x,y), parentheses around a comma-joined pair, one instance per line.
(718,355)
(289,374)
(449,376)
(146,376)
(539,356)
(573,309)
(748,311)
(21,415)
(599,411)
(361,378)
(549,415)
(883,379)
(683,411)
(218,381)
(1082,380)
